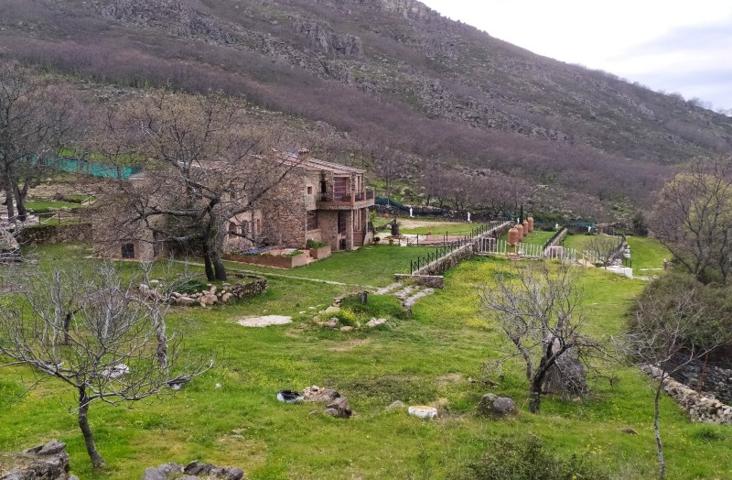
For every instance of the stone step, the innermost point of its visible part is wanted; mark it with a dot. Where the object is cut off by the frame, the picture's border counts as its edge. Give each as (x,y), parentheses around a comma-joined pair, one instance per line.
(417,296)
(389,289)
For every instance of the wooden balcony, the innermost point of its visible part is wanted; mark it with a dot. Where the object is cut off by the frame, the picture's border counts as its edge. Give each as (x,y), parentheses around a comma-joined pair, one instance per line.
(347,201)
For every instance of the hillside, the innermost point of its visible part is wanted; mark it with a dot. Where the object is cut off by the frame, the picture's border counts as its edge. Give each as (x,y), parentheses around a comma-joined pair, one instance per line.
(384,72)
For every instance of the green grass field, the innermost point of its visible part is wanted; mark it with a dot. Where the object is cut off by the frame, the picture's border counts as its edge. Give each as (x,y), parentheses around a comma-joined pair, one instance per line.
(648,254)
(45,206)
(437,353)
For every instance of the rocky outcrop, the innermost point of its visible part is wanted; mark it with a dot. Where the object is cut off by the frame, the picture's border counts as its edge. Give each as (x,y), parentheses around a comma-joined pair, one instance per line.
(192,471)
(323,39)
(699,407)
(44,462)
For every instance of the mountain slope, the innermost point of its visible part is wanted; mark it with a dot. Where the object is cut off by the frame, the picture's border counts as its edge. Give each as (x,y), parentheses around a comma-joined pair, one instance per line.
(387,72)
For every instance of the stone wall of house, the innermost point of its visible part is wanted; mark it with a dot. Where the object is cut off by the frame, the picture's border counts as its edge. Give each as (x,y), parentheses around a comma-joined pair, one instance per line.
(284,213)
(53,234)
(329,228)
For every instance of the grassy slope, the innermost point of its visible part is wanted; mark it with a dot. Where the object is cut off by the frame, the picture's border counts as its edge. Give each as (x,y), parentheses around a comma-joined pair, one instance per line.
(419,360)
(648,254)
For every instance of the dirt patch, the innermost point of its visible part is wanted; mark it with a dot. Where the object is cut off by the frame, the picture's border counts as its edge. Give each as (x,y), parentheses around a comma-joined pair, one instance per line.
(349,345)
(266,321)
(450,379)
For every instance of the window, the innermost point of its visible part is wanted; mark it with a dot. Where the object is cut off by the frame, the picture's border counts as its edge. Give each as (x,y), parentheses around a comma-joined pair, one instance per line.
(233,228)
(245,228)
(310,189)
(313,221)
(128,250)
(257,227)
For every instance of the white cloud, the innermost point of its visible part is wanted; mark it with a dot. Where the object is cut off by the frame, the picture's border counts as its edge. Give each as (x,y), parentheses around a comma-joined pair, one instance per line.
(659,43)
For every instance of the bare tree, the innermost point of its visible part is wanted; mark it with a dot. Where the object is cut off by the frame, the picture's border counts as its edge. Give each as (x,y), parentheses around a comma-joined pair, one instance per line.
(693,218)
(537,308)
(602,248)
(203,167)
(665,337)
(105,347)
(35,121)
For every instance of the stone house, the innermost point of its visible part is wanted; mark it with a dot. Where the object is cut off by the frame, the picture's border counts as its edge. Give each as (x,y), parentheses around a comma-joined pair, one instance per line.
(318,200)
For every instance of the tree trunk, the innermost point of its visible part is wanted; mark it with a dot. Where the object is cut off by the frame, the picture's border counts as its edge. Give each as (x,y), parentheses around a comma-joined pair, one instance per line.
(219,268)
(9,199)
(535,394)
(657,429)
(208,265)
(20,203)
(67,326)
(91,448)
(162,339)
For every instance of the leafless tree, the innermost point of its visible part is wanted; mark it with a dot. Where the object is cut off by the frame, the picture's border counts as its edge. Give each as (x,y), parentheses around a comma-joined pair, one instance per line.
(36,119)
(202,167)
(602,248)
(537,308)
(665,338)
(693,218)
(95,333)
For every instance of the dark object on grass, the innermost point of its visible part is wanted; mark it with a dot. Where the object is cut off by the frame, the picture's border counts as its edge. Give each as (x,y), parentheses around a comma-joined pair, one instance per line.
(289,396)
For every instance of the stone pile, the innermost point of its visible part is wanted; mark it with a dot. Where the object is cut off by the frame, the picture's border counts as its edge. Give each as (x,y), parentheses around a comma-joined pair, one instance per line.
(44,462)
(336,405)
(699,407)
(193,471)
(214,295)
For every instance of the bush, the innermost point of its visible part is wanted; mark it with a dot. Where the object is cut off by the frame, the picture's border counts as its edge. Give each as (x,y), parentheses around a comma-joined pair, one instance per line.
(528,459)
(316,244)
(715,300)
(379,306)
(190,286)
(347,317)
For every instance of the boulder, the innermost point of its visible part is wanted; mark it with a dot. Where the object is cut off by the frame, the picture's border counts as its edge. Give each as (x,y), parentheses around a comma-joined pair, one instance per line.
(332,323)
(495,406)
(44,462)
(339,408)
(331,311)
(346,329)
(423,412)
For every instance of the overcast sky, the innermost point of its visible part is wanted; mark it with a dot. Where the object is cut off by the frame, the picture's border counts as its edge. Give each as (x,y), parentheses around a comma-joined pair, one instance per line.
(682,46)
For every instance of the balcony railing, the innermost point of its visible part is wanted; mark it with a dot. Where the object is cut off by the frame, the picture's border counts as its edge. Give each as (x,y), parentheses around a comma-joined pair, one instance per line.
(348,197)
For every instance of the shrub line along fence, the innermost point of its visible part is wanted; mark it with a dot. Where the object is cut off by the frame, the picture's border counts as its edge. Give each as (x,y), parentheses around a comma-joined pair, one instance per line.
(447,256)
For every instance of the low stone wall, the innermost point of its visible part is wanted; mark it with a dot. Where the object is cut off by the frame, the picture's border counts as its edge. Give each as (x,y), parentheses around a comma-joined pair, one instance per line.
(714,380)
(430,281)
(274,261)
(49,234)
(555,241)
(321,252)
(699,407)
(251,286)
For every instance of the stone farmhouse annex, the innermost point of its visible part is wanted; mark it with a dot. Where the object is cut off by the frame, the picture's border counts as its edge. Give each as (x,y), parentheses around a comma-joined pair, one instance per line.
(318,201)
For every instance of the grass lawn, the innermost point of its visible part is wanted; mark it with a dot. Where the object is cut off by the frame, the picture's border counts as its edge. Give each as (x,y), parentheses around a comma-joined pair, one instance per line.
(424,226)
(374,265)
(432,355)
(538,237)
(648,254)
(44,206)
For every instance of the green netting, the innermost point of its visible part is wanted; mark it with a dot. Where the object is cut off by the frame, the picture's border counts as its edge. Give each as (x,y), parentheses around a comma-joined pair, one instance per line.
(74,165)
